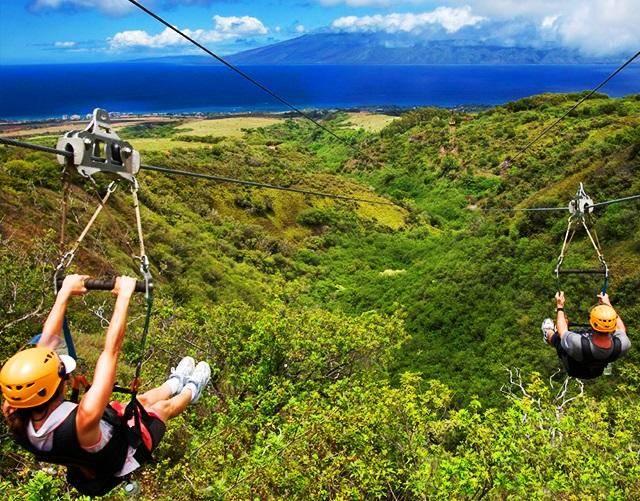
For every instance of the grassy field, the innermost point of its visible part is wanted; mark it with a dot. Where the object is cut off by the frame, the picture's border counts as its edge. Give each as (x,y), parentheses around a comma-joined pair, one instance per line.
(371,122)
(28,130)
(164,144)
(230,127)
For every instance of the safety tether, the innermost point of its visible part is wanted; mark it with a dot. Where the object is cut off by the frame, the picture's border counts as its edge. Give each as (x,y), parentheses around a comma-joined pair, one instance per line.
(68,257)
(581,215)
(148,282)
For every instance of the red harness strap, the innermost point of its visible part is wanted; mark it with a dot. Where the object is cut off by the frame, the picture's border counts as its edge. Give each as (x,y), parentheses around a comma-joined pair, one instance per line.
(119,407)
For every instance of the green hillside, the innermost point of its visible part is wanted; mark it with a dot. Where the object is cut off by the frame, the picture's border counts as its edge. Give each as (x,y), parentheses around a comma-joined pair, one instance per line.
(360,351)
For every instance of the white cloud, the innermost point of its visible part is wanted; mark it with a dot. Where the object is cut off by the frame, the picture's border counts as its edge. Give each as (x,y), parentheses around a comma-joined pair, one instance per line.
(548,22)
(238,26)
(601,27)
(300,28)
(111,7)
(451,19)
(64,45)
(225,28)
(596,27)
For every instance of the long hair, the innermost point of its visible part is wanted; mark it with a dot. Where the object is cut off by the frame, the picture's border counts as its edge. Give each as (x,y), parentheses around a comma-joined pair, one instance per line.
(19,419)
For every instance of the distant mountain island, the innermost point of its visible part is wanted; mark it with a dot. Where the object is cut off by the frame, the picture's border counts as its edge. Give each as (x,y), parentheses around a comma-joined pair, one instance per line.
(389,49)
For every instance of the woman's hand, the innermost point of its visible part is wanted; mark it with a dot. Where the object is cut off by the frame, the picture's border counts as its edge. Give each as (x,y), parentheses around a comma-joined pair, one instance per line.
(73,285)
(560,299)
(125,286)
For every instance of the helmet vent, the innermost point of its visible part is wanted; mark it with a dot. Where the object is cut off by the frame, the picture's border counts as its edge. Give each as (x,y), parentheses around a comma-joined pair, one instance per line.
(42,392)
(19,387)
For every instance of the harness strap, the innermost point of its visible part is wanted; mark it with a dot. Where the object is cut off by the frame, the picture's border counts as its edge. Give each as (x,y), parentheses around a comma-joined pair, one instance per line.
(68,339)
(135,410)
(593,237)
(617,349)
(587,355)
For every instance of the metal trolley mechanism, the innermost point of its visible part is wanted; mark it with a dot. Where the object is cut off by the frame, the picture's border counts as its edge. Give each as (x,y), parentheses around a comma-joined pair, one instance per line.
(98,148)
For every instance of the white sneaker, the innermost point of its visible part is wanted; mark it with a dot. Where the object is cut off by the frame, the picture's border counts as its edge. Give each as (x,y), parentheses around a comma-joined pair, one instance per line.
(548,329)
(198,380)
(181,374)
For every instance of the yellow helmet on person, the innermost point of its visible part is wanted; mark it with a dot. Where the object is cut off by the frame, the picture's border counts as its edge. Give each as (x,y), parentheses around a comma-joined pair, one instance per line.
(31,377)
(603,318)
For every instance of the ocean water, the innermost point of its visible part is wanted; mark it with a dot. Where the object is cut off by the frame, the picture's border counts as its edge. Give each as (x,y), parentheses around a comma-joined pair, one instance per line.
(42,91)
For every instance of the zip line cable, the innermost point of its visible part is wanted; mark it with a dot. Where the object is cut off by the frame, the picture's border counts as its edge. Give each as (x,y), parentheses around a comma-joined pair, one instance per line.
(67,154)
(616,201)
(256,184)
(528,209)
(595,206)
(35,147)
(244,75)
(578,103)
(210,177)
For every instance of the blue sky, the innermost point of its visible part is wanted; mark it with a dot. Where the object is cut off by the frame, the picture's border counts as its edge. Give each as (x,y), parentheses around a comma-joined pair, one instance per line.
(40,31)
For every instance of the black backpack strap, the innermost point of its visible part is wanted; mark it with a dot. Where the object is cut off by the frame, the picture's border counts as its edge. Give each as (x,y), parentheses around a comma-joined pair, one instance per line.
(587,356)
(617,349)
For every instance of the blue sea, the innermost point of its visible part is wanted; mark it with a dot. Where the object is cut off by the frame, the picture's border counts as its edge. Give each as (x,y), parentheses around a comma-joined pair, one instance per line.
(43,91)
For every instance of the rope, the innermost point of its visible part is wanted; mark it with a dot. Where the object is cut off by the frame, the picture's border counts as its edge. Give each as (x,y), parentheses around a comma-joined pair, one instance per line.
(65,207)
(568,236)
(593,238)
(136,208)
(146,273)
(67,257)
(244,75)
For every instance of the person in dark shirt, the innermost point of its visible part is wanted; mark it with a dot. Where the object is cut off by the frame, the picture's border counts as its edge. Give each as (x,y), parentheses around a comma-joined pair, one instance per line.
(585,355)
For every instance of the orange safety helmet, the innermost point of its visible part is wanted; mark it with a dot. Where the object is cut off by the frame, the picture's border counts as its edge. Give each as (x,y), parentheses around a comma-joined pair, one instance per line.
(603,318)
(31,377)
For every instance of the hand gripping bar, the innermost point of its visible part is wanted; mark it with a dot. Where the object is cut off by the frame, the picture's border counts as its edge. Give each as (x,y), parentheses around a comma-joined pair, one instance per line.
(97,284)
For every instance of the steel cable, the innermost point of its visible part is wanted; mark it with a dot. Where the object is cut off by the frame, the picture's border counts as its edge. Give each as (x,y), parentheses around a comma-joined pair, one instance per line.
(244,75)
(578,103)
(210,177)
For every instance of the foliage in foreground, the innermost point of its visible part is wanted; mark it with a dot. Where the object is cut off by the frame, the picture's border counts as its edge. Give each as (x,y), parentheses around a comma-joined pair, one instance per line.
(359,352)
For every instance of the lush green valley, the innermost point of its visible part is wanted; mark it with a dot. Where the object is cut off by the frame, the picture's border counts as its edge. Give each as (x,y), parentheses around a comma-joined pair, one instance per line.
(361,351)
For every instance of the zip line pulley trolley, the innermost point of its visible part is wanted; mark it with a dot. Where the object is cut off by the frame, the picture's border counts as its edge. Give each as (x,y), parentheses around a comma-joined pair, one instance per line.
(95,150)
(581,209)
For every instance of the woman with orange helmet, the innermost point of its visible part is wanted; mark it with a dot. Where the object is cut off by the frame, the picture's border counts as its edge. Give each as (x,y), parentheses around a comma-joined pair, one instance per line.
(90,437)
(585,355)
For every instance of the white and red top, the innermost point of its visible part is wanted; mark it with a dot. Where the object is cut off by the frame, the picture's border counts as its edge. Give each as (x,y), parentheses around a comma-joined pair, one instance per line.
(43,438)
